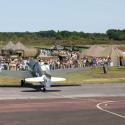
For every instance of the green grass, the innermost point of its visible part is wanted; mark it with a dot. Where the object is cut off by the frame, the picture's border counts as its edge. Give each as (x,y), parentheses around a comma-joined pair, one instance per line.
(9,81)
(91,76)
(96,75)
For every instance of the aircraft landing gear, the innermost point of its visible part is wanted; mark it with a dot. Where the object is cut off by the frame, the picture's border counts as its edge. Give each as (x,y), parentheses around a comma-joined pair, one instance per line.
(44,89)
(43,86)
(22,83)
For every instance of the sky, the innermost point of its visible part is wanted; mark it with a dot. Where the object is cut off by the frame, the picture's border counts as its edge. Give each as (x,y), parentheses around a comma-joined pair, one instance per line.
(73,15)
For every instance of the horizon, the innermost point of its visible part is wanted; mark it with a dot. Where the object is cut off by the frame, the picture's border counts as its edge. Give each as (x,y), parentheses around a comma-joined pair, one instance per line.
(68,15)
(59,31)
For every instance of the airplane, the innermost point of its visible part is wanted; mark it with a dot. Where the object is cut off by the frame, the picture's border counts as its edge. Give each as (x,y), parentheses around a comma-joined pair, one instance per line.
(40,73)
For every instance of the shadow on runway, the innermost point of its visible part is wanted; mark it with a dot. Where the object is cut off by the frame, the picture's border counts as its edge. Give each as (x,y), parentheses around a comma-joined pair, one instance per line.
(29,85)
(40,90)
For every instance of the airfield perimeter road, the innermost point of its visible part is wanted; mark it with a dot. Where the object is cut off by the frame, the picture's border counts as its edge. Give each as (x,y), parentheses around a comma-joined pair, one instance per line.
(82,105)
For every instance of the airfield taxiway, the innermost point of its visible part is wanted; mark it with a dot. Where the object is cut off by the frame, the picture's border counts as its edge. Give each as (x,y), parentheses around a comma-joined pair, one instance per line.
(70,105)
(87,90)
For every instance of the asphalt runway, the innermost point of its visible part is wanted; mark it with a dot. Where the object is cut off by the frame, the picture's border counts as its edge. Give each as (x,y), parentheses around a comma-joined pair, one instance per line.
(82,105)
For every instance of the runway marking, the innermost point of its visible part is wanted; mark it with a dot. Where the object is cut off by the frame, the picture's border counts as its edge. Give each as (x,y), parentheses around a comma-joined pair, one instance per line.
(98,105)
(104,110)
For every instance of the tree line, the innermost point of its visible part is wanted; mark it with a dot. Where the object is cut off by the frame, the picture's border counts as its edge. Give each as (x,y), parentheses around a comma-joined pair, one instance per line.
(64,37)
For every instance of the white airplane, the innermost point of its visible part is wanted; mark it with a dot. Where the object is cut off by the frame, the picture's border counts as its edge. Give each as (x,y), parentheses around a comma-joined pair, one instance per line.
(40,74)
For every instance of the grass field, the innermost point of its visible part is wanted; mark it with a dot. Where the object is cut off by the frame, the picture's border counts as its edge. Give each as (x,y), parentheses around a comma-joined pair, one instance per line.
(9,81)
(96,75)
(91,76)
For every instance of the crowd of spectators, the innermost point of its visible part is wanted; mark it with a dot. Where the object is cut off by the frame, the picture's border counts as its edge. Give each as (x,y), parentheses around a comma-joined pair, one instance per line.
(64,60)
(45,52)
(95,61)
(67,59)
(13,64)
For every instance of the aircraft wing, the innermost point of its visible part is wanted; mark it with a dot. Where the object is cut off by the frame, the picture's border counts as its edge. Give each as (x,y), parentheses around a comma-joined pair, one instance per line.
(41,79)
(34,79)
(57,79)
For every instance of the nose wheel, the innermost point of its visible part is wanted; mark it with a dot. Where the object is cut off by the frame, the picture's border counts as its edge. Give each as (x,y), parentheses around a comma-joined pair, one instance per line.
(44,89)
(43,86)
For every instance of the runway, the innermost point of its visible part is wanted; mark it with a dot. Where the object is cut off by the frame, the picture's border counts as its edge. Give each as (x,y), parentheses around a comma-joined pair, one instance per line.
(88,104)
(88,90)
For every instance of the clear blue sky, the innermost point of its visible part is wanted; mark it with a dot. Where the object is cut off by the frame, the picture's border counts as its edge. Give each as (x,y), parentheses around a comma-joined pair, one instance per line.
(71,15)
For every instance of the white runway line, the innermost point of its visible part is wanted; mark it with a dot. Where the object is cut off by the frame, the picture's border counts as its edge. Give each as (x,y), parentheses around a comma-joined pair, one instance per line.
(98,105)
(104,110)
